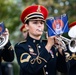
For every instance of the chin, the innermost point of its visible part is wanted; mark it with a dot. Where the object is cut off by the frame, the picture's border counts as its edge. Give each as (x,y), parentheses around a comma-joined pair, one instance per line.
(39,34)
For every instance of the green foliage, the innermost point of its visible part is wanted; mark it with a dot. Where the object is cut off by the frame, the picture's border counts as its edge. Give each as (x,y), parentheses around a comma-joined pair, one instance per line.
(10,11)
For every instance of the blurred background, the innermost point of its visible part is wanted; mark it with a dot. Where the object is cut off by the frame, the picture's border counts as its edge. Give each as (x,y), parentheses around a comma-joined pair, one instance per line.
(10,11)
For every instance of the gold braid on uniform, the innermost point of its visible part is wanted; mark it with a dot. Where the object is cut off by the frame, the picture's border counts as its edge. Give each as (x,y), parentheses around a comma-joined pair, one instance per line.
(25,59)
(11,47)
(70,57)
(44,71)
(22,42)
(38,58)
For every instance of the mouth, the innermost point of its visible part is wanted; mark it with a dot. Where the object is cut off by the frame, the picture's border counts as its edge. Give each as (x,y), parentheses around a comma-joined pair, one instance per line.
(42,31)
(39,30)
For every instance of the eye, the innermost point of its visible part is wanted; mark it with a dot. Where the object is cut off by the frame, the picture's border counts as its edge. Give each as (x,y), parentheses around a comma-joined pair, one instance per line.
(41,22)
(35,22)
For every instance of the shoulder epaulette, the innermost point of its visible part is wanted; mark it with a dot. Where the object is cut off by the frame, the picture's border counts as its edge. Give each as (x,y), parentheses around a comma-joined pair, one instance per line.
(22,42)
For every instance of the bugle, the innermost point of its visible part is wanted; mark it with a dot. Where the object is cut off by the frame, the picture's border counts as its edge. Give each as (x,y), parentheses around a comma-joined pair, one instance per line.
(60,42)
(63,41)
(71,43)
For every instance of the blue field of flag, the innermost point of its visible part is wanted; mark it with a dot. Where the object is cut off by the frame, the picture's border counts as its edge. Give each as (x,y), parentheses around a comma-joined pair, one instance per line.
(2,28)
(57,25)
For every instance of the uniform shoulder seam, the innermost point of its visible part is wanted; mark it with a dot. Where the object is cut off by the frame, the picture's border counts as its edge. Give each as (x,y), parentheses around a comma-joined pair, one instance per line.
(22,42)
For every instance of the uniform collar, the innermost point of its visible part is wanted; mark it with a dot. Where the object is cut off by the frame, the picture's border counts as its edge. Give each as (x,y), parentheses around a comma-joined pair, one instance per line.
(32,40)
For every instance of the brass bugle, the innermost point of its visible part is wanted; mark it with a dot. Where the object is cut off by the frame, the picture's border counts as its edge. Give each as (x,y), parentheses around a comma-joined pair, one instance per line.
(63,41)
(60,44)
(71,43)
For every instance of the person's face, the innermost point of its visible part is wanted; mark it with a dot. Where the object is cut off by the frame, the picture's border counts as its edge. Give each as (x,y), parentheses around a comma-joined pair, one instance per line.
(24,34)
(35,26)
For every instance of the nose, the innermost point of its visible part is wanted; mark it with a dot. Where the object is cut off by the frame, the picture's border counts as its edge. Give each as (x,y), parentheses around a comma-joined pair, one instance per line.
(39,24)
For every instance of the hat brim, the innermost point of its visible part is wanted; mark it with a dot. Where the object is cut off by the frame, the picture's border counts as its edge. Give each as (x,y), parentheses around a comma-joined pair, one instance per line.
(34,15)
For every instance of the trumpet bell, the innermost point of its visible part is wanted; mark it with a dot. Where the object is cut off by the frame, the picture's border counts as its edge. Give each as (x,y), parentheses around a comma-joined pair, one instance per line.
(3,41)
(72,34)
(3,37)
(72,45)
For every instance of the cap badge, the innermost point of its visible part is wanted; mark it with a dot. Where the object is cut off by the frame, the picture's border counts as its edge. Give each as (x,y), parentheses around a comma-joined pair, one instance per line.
(38,10)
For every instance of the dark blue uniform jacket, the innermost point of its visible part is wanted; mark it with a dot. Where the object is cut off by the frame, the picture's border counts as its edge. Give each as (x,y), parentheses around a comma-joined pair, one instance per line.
(6,54)
(71,59)
(34,59)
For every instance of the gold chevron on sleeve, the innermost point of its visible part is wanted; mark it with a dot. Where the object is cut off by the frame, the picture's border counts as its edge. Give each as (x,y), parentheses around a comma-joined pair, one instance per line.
(25,59)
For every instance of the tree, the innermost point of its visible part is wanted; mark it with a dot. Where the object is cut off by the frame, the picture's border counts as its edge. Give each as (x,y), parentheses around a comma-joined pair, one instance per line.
(10,12)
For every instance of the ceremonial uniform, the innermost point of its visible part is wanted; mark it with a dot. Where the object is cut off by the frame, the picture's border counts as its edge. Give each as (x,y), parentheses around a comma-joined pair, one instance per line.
(71,60)
(71,55)
(35,60)
(6,49)
(32,54)
(6,54)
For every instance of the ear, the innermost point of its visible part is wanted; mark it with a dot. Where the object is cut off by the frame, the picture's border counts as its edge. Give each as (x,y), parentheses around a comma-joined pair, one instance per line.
(27,26)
